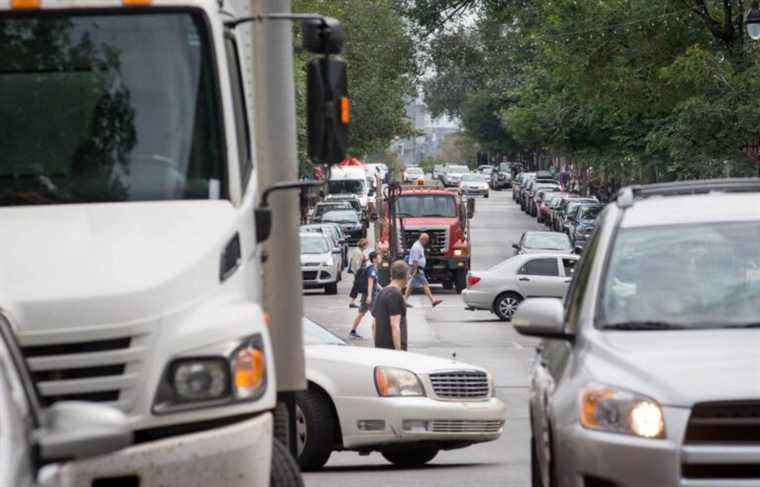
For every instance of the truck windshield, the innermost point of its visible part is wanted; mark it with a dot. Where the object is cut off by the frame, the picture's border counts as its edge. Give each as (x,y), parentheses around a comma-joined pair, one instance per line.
(351,186)
(107,108)
(430,205)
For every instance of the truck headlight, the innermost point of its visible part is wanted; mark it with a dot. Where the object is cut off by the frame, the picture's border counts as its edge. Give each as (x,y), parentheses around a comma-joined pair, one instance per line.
(213,380)
(618,411)
(393,382)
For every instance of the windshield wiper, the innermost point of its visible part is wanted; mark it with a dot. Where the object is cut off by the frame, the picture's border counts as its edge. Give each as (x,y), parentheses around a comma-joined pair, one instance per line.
(642,325)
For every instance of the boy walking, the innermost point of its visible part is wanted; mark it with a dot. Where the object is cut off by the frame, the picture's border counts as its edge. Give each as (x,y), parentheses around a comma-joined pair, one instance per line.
(369,289)
(356,267)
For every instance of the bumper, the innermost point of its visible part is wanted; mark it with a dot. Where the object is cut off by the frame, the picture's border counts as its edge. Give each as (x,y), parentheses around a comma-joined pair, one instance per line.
(238,455)
(475,192)
(477,299)
(626,461)
(502,183)
(419,419)
(318,276)
(440,270)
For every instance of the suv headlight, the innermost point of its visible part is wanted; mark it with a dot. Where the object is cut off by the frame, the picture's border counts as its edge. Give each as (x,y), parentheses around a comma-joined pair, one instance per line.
(615,410)
(328,262)
(213,380)
(393,382)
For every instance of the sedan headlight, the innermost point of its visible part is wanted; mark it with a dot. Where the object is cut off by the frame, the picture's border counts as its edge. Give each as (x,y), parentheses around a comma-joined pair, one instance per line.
(393,382)
(205,381)
(618,411)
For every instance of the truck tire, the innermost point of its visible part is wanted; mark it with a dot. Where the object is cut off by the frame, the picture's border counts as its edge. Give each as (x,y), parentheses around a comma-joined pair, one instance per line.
(331,289)
(410,456)
(284,471)
(281,429)
(316,430)
(460,281)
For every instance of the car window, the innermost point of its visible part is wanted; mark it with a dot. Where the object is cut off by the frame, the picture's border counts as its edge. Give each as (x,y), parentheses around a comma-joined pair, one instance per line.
(579,285)
(547,241)
(241,115)
(313,245)
(540,267)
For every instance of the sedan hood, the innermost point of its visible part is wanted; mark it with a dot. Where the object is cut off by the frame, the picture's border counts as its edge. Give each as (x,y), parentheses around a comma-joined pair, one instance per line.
(679,368)
(373,357)
(75,265)
(314,258)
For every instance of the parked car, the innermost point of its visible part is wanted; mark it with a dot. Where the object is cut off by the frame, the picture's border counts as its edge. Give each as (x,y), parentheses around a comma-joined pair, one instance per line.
(503,287)
(405,405)
(412,174)
(537,192)
(519,183)
(330,205)
(648,374)
(320,267)
(350,224)
(338,241)
(536,242)
(546,210)
(501,177)
(538,200)
(474,184)
(486,170)
(554,209)
(352,200)
(452,175)
(582,223)
(33,436)
(529,192)
(570,209)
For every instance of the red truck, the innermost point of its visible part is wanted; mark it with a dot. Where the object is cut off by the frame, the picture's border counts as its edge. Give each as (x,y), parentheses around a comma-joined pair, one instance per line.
(441,213)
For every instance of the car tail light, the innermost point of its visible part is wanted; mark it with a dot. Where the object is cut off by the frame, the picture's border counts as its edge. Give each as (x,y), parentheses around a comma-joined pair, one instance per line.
(472,280)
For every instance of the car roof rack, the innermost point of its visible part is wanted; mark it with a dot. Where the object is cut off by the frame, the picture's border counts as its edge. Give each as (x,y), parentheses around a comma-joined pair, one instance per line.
(629,194)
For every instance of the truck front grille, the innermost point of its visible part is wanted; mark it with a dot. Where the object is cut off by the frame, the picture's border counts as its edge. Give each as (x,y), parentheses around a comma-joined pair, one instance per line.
(438,245)
(724,422)
(96,364)
(471,385)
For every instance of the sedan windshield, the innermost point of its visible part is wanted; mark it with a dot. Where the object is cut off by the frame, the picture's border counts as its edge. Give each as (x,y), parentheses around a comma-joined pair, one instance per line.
(473,178)
(457,169)
(342,216)
(126,106)
(695,276)
(421,206)
(313,245)
(314,334)
(547,241)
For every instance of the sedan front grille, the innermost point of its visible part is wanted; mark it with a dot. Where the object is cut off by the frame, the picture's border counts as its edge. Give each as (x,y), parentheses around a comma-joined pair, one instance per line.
(465,426)
(472,385)
(438,245)
(724,422)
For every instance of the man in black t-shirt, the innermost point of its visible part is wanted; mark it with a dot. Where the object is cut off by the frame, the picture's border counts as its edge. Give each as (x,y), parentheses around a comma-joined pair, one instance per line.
(390,310)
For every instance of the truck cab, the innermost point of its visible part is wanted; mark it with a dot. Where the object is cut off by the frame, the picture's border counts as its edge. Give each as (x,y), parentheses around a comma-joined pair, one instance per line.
(445,216)
(129,268)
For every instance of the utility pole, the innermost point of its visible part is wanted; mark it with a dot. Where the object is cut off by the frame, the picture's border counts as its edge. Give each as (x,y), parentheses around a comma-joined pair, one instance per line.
(275,132)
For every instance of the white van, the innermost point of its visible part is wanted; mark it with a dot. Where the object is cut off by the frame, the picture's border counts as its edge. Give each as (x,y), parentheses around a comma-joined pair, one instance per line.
(350,180)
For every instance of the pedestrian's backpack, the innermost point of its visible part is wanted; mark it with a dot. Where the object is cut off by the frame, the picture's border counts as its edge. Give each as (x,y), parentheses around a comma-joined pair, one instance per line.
(362,279)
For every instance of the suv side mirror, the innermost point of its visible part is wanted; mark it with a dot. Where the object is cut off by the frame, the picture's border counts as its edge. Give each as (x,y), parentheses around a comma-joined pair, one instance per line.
(541,317)
(578,250)
(73,430)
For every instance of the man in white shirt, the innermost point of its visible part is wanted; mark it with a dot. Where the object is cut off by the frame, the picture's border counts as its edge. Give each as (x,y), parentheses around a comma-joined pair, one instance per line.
(417,262)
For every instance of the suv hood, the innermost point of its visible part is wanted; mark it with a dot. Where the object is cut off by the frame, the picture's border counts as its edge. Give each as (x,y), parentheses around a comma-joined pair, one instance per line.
(679,368)
(77,265)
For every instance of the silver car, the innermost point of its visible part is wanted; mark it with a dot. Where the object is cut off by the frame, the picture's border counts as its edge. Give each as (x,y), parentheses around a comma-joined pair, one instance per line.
(320,267)
(502,288)
(542,243)
(649,375)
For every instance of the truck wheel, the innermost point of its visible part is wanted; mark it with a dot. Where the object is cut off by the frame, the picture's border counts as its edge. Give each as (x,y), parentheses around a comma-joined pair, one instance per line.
(281,429)
(460,281)
(284,471)
(331,289)
(506,305)
(316,430)
(410,456)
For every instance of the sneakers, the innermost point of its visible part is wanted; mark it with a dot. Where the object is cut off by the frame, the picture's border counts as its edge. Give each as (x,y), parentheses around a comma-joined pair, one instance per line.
(354,335)
(437,302)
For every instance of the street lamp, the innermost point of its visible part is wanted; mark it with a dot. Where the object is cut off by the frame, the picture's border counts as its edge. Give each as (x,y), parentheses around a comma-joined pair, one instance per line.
(753,21)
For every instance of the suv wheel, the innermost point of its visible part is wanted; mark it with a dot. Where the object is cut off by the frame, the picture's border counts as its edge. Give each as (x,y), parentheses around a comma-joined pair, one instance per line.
(506,304)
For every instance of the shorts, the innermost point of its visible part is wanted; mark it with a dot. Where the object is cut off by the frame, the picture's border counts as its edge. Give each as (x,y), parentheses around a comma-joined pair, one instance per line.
(419,279)
(363,306)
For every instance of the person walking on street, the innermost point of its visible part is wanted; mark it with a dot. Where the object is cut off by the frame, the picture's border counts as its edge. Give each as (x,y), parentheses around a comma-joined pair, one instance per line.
(390,310)
(369,290)
(356,267)
(417,261)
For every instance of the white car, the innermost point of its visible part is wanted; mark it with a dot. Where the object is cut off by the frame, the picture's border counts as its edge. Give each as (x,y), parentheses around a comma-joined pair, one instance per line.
(405,405)
(412,174)
(474,184)
(320,267)
(501,288)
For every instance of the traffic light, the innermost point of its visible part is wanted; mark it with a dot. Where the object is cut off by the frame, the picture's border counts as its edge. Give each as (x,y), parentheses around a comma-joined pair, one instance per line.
(328,109)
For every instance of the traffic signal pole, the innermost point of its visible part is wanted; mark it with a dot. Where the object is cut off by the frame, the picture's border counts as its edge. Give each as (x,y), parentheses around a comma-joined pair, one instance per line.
(276,158)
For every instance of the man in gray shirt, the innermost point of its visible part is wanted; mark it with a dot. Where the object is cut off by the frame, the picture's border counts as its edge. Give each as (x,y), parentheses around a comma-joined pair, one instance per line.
(417,261)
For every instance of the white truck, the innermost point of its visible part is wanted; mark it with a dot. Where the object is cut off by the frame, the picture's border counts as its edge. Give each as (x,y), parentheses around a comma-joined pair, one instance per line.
(130,264)
(350,180)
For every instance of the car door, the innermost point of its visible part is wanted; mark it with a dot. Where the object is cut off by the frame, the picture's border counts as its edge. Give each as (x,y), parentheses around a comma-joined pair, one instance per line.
(539,277)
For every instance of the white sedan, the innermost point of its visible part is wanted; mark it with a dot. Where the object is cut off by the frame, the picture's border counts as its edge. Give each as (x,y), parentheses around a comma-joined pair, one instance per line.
(502,288)
(474,184)
(405,405)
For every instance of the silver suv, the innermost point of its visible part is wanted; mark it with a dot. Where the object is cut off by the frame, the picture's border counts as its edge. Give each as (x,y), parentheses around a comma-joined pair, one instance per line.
(649,375)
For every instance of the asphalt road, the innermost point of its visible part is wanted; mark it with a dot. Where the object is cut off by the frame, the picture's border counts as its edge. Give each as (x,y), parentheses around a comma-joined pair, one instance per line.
(476,337)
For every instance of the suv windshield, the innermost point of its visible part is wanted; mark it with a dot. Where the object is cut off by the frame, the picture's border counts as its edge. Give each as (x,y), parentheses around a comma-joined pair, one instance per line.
(692,276)
(126,106)
(505,167)
(430,205)
(313,245)
(350,186)
(589,212)
(341,216)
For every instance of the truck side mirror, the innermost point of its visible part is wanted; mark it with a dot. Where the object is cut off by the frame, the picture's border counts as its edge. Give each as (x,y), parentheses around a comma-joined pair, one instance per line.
(470,207)
(322,36)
